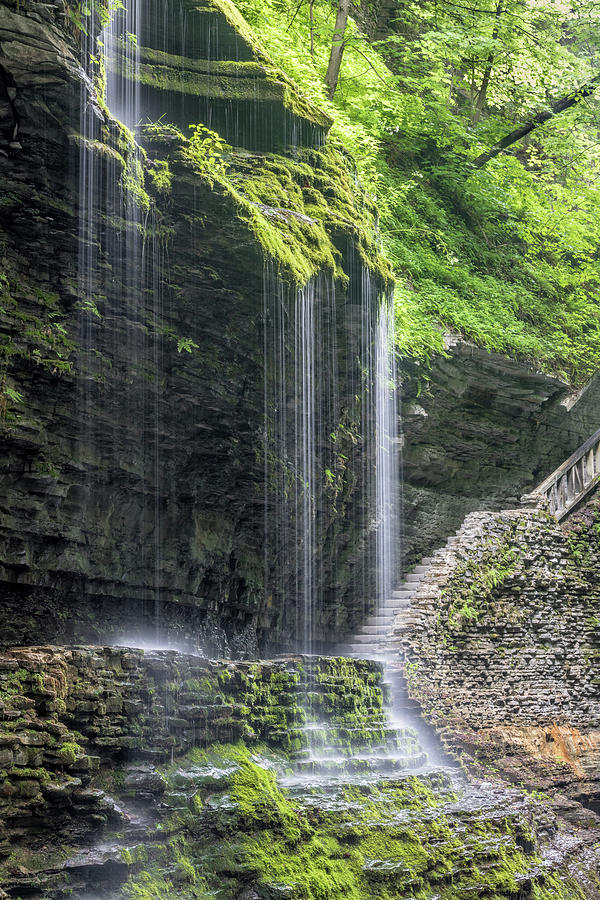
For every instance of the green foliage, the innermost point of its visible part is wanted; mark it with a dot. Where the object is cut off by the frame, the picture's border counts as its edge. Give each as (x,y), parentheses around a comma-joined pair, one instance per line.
(207,150)
(505,256)
(382,840)
(79,12)
(9,398)
(186,344)
(474,580)
(88,306)
(37,338)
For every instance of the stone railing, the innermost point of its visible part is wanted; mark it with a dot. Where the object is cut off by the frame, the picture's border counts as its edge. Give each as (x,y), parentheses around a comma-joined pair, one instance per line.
(571,482)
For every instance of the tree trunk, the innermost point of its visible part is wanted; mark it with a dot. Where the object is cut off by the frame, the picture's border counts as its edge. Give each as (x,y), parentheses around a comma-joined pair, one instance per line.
(337,47)
(482,93)
(557,107)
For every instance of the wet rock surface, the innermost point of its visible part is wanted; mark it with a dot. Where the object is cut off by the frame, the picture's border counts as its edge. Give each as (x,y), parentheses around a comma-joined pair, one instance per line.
(132,470)
(66,713)
(146,813)
(479,431)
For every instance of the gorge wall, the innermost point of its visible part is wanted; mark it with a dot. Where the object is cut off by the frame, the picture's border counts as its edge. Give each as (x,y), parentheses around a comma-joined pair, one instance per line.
(481,430)
(137,318)
(143,449)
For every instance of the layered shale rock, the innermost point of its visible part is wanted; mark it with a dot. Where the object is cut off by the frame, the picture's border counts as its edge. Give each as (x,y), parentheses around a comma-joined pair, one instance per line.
(160,775)
(479,431)
(132,315)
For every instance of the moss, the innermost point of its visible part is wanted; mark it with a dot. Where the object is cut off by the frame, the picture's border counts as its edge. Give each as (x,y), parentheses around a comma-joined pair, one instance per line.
(229,68)
(298,207)
(37,336)
(248,89)
(583,538)
(33,860)
(261,802)
(295,100)
(303,211)
(153,884)
(473,581)
(37,774)
(161,176)
(70,752)
(556,888)
(316,869)
(12,683)
(196,804)
(133,171)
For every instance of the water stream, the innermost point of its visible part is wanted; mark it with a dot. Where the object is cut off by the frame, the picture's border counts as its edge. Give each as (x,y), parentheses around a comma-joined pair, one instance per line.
(120,244)
(387,466)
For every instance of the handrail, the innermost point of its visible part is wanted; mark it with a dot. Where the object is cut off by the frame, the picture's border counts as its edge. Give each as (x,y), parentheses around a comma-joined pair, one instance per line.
(572,481)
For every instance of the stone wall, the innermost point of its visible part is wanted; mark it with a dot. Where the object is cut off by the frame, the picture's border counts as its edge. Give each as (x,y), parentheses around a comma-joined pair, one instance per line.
(502,642)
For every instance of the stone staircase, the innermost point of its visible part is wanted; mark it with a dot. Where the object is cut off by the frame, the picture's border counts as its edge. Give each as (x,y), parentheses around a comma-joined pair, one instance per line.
(378,636)
(375,639)
(560,493)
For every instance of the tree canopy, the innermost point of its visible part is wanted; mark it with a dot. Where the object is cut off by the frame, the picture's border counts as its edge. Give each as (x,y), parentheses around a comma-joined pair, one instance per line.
(477,125)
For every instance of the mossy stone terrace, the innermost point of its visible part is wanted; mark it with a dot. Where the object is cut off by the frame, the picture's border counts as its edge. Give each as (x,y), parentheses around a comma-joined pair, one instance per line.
(86,727)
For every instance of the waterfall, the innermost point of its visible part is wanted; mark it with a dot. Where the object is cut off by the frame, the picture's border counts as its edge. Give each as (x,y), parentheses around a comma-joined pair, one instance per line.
(300,354)
(305,453)
(121,40)
(387,468)
(330,455)
(330,440)
(119,247)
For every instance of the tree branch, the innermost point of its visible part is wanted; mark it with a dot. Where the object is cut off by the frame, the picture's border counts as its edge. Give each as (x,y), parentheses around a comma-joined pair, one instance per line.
(557,107)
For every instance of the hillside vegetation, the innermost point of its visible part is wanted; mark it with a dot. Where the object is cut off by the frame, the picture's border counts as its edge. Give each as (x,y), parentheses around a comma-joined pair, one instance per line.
(504,253)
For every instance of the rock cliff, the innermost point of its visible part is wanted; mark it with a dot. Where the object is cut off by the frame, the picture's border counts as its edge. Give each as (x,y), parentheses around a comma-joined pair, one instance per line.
(135,322)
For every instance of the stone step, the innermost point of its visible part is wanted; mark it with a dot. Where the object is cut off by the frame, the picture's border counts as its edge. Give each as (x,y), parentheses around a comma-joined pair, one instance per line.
(375,629)
(420,570)
(356,765)
(364,639)
(402,594)
(413,577)
(380,620)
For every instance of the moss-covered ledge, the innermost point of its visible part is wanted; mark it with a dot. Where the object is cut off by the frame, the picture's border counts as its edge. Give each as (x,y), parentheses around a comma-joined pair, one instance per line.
(67,713)
(305,211)
(160,774)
